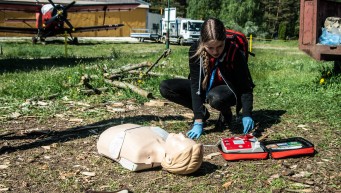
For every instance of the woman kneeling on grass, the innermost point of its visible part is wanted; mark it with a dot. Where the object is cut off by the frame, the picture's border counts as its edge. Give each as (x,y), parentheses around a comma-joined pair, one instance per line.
(218,78)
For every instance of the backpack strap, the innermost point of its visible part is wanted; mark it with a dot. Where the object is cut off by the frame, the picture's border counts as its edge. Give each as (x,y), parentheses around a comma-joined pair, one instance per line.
(231,52)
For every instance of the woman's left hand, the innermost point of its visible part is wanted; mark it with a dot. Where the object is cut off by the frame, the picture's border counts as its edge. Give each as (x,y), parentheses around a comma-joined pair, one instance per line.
(248,124)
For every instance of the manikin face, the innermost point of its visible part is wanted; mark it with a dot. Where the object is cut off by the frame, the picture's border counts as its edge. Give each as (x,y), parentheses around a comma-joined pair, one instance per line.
(214,48)
(176,143)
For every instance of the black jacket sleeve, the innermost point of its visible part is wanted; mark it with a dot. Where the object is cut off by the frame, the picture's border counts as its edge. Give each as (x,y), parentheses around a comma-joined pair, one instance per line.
(198,94)
(244,85)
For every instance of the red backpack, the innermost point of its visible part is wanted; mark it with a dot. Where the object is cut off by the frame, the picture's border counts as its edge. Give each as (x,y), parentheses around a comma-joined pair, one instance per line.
(239,40)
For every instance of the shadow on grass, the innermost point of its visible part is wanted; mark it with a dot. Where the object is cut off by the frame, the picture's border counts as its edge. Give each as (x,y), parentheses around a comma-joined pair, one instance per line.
(263,119)
(27,65)
(47,137)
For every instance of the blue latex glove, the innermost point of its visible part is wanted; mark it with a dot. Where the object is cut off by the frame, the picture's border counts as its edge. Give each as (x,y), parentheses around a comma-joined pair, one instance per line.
(248,124)
(196,130)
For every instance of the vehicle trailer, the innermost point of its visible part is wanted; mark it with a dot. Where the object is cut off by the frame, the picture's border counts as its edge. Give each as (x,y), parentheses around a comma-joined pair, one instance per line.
(313,14)
(145,34)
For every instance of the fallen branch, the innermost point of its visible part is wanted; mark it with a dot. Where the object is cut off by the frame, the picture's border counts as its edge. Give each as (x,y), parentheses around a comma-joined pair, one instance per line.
(52,96)
(156,74)
(94,91)
(89,88)
(125,85)
(164,55)
(126,68)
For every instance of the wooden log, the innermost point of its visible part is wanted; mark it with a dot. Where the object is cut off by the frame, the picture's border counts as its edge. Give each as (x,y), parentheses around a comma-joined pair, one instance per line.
(134,88)
(129,67)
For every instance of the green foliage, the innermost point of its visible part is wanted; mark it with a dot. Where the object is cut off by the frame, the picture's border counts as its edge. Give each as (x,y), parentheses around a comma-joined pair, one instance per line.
(282,32)
(327,76)
(203,9)
(262,18)
(238,11)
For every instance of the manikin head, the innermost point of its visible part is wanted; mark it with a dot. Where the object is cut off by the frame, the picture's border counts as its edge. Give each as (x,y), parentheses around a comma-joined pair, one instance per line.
(138,147)
(183,155)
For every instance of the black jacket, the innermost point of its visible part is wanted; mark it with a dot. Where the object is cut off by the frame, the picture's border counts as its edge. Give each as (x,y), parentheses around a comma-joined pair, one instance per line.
(238,78)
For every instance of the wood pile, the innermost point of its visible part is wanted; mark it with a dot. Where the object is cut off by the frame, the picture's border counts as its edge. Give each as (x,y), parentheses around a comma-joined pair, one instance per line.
(116,77)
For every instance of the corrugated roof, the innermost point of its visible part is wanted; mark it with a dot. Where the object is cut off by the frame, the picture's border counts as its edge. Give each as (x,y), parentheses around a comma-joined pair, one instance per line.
(84,1)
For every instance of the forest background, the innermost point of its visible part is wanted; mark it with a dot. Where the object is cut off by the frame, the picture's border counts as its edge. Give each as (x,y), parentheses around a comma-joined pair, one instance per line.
(261,18)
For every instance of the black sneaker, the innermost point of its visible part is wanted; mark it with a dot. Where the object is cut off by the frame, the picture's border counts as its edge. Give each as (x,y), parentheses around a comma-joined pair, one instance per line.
(206,115)
(224,120)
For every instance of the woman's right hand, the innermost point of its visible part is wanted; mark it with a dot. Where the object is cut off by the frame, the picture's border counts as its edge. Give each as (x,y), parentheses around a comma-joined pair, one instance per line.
(196,130)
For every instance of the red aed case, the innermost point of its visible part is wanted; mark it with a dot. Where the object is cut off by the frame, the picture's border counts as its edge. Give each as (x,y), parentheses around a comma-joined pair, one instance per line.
(248,147)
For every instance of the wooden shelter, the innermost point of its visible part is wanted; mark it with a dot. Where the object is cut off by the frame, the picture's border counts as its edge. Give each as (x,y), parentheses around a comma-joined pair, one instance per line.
(136,18)
(313,14)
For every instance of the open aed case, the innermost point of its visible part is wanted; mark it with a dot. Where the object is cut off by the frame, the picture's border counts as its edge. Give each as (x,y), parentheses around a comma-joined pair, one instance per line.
(248,147)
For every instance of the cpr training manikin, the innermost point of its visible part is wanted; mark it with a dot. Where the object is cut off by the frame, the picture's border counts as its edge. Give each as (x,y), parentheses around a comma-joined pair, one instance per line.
(138,147)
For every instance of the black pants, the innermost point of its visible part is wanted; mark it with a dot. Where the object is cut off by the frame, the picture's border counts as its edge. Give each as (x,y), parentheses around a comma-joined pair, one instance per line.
(178,91)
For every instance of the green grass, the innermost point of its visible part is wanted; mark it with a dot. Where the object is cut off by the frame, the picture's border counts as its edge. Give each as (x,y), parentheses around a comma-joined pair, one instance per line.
(286,80)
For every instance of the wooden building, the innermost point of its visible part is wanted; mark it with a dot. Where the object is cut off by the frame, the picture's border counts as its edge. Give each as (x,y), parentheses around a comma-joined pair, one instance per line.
(137,18)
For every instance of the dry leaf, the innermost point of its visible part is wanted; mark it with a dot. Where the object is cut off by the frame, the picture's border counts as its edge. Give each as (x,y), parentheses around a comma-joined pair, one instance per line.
(46,147)
(293,167)
(64,175)
(304,127)
(82,104)
(76,120)
(117,104)
(131,107)
(116,110)
(3,166)
(59,115)
(47,157)
(227,184)
(44,167)
(275,176)
(41,103)
(88,173)
(302,174)
(299,190)
(211,155)
(155,103)
(15,115)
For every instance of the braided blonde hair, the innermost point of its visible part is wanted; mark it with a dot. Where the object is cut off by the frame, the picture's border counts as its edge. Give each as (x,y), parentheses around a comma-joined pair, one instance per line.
(212,29)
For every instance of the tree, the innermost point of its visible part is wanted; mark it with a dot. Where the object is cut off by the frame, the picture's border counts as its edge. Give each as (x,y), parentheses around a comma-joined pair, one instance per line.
(158,6)
(203,9)
(236,13)
(280,12)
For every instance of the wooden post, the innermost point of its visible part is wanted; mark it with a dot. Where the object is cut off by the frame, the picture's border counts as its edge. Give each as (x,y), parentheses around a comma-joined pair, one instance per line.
(65,43)
(250,43)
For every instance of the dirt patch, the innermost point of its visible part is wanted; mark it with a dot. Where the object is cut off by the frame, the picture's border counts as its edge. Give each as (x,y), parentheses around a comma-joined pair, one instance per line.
(56,155)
